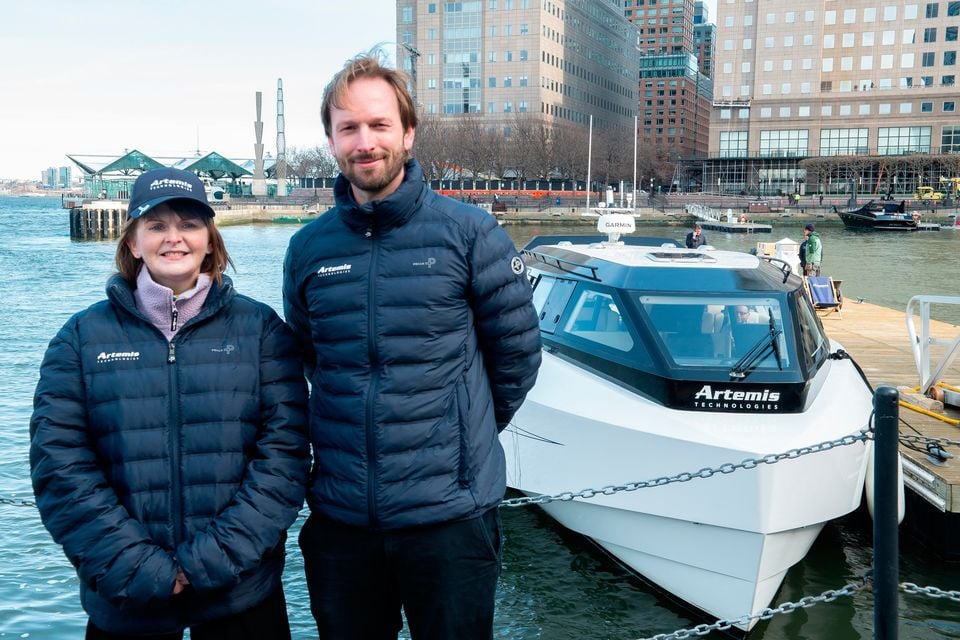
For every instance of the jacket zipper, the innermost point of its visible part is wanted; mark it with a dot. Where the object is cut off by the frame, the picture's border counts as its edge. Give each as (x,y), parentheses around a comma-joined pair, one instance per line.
(374,379)
(176,505)
(174,314)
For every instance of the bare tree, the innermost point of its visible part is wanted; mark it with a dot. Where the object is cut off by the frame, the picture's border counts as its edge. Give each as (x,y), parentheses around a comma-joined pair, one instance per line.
(431,147)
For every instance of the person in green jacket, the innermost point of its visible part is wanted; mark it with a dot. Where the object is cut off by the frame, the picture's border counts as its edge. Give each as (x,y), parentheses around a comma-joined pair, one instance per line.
(814,252)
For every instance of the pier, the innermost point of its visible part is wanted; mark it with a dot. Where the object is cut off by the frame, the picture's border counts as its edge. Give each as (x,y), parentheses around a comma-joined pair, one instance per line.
(877,339)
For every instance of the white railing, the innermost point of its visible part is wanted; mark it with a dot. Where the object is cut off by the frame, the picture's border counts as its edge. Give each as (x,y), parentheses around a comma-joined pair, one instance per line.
(921,341)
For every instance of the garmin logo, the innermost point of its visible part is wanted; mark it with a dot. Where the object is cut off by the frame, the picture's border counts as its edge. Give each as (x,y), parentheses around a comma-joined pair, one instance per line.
(117,356)
(708,398)
(332,271)
(612,224)
(171,183)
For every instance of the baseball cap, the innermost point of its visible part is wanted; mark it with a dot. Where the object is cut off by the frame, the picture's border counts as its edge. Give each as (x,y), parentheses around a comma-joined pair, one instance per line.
(809,226)
(162,185)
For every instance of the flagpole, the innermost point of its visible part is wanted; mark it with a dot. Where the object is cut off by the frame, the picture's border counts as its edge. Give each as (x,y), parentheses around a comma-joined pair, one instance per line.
(589,160)
(636,123)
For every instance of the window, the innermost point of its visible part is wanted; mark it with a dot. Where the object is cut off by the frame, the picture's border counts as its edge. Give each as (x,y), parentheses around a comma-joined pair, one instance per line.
(889,13)
(950,34)
(949,58)
(842,142)
(949,107)
(432,7)
(933,9)
(927,58)
(785,143)
(491,83)
(950,139)
(906,107)
(953,8)
(597,317)
(903,140)
(926,107)
(406,15)
(863,110)
(930,34)
(733,143)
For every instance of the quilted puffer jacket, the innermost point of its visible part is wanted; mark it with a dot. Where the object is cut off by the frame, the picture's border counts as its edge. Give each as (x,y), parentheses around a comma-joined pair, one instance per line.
(147,456)
(415,316)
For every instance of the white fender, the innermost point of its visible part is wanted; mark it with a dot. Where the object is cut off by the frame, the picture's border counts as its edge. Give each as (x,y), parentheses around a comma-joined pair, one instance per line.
(868,485)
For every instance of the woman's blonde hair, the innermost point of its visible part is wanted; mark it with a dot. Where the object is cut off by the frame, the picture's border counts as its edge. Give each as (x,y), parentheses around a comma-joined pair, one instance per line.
(214,263)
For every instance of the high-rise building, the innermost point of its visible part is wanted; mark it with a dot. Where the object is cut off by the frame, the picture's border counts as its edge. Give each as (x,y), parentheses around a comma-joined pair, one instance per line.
(558,60)
(65,177)
(675,91)
(704,36)
(822,78)
(48,178)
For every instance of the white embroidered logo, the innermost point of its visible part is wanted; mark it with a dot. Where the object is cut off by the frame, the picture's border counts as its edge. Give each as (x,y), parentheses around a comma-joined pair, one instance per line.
(333,271)
(227,349)
(428,263)
(117,356)
(516,265)
(168,183)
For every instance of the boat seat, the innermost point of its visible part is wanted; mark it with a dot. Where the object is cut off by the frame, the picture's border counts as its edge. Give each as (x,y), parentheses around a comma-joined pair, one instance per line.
(824,293)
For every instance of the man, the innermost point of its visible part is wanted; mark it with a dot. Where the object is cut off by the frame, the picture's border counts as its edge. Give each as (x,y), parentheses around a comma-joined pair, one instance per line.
(696,238)
(421,342)
(814,250)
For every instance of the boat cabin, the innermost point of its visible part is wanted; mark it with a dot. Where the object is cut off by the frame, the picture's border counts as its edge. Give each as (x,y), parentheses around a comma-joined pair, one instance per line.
(690,329)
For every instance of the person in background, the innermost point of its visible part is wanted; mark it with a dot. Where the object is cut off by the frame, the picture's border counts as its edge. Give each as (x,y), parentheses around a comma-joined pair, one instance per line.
(168,441)
(421,341)
(696,238)
(814,250)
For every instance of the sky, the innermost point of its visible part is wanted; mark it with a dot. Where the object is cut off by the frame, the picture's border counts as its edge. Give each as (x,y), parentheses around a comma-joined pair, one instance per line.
(102,76)
(168,78)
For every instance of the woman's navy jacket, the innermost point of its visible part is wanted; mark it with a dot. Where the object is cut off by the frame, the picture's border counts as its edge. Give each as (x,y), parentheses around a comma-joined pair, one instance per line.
(146,456)
(415,316)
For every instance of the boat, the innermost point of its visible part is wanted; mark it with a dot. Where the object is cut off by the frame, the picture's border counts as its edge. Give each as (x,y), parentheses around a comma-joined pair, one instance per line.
(883,216)
(660,360)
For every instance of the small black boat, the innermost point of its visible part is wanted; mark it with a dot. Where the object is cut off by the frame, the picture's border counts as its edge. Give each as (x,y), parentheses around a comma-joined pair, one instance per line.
(882,216)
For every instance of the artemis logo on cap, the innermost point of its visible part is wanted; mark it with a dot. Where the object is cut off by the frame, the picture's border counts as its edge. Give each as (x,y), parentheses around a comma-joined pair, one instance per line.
(172,184)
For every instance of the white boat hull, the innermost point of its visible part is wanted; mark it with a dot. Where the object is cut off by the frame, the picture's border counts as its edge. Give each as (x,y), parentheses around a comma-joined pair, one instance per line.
(722,544)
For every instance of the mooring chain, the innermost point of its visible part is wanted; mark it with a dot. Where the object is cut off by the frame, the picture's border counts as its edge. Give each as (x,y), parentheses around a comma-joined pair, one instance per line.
(17,503)
(706,472)
(787,607)
(933,592)
(929,440)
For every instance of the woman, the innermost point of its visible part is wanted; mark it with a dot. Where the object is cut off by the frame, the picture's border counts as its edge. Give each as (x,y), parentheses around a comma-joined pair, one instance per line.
(168,441)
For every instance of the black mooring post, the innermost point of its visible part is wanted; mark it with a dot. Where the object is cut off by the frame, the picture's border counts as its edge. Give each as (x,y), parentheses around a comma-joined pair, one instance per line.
(886,573)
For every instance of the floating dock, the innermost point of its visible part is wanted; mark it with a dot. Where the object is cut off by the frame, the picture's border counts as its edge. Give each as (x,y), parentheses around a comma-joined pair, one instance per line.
(735,227)
(877,339)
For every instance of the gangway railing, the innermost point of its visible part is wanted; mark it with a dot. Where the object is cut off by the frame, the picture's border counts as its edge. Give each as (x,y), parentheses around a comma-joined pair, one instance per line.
(921,341)
(703,212)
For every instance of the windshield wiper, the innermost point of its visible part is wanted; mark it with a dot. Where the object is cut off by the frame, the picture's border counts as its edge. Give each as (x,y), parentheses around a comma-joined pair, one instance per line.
(755,355)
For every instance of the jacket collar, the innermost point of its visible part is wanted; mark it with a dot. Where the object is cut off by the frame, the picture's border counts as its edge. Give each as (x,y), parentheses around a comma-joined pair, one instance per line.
(393,211)
(120,293)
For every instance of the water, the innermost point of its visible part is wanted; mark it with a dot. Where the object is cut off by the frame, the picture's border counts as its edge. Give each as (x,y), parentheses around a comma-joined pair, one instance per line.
(555,585)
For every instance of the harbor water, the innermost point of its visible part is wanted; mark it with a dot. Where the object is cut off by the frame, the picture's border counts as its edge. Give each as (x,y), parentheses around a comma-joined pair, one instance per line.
(555,585)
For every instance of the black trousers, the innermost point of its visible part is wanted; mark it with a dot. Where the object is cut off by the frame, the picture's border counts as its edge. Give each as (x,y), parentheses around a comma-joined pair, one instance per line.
(443,576)
(265,621)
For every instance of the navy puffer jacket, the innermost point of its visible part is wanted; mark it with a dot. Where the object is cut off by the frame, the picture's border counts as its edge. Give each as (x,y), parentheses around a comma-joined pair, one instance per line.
(147,455)
(416,317)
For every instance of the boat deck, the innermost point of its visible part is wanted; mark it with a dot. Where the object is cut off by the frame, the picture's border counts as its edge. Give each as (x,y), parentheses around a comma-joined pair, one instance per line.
(877,339)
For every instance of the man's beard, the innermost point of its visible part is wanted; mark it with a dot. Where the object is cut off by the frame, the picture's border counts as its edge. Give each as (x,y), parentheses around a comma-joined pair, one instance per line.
(373,181)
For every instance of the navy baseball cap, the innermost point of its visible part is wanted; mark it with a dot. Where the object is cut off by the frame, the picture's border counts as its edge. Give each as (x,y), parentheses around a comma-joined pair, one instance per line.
(162,185)
(809,226)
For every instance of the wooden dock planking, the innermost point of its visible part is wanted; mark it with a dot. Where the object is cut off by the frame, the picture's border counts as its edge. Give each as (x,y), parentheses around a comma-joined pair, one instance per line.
(877,339)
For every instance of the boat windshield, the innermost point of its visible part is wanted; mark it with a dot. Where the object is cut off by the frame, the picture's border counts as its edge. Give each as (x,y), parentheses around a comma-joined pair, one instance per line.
(744,333)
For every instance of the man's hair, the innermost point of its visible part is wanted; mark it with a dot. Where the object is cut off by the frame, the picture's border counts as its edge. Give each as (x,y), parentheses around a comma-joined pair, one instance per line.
(368,65)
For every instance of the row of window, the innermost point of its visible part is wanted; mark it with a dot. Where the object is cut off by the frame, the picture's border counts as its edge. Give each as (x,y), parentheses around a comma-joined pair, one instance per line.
(843,110)
(795,143)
